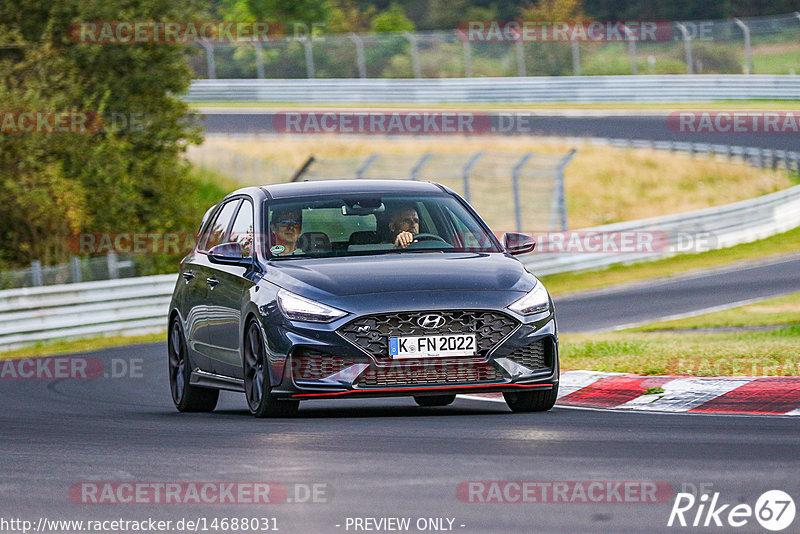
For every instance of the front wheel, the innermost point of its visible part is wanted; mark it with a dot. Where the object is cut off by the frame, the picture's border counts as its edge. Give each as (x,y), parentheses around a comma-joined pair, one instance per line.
(187,398)
(532,401)
(256,379)
(435,400)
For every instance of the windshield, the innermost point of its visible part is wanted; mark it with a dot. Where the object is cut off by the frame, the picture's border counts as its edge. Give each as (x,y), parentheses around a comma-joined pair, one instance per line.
(360,225)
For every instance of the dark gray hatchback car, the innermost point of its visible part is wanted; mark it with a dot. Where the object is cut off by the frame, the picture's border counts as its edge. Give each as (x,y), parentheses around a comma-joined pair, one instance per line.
(357,288)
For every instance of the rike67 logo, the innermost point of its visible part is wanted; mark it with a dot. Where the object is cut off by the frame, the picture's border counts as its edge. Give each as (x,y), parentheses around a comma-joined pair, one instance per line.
(774,510)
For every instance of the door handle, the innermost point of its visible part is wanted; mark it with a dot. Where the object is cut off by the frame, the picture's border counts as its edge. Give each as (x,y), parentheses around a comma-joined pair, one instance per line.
(188,276)
(212,282)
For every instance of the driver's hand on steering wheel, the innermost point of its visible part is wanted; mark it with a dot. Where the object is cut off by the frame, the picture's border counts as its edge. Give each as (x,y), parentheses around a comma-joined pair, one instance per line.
(403,239)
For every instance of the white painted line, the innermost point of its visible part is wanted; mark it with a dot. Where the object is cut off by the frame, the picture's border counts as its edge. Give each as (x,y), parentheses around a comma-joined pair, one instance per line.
(683,394)
(796,411)
(686,315)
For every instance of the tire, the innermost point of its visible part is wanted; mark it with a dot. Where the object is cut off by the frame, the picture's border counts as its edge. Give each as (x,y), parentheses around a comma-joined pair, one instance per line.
(256,378)
(187,398)
(435,400)
(531,401)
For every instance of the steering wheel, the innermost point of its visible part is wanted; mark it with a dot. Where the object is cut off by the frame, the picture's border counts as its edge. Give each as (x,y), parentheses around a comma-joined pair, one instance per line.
(428,237)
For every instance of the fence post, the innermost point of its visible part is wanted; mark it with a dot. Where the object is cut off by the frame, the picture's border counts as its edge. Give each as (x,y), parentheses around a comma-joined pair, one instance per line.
(559,211)
(259,60)
(520,57)
(75,267)
(36,273)
(467,59)
(576,58)
(113,265)
(515,184)
(466,170)
(309,57)
(687,42)
(418,167)
(362,62)
(412,41)
(210,63)
(361,170)
(748,51)
(631,49)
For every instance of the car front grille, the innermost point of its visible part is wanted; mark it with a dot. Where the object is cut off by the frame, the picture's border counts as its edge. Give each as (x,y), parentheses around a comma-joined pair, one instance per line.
(534,356)
(371,333)
(432,373)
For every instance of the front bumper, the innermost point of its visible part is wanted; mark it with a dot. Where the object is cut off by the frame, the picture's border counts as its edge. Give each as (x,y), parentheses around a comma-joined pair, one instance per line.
(321,363)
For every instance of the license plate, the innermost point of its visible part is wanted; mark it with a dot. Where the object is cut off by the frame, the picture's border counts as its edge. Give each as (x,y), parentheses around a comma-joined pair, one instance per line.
(433,346)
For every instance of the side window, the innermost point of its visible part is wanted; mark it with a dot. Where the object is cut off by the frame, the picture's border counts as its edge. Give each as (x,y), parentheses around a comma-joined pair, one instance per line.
(242,231)
(216,232)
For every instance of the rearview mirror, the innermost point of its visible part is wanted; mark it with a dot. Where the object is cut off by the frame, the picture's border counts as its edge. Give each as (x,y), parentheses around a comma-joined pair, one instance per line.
(518,243)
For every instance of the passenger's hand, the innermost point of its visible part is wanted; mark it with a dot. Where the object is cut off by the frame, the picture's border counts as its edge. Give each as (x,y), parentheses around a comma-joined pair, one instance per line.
(403,239)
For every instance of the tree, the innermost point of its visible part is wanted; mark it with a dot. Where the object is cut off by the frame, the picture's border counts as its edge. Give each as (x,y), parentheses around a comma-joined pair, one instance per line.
(121,177)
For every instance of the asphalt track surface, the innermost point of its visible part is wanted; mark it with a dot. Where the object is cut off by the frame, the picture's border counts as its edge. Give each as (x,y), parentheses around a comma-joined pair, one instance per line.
(648,127)
(377,458)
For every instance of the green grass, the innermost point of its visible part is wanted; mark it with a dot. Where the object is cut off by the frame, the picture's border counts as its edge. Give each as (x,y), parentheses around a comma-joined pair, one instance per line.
(758,250)
(79,346)
(754,353)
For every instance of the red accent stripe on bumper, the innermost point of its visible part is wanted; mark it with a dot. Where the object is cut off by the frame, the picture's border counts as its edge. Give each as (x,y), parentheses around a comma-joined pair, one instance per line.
(449,388)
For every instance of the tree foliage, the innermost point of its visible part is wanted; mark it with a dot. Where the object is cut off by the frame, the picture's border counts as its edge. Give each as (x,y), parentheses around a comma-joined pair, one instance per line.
(128,175)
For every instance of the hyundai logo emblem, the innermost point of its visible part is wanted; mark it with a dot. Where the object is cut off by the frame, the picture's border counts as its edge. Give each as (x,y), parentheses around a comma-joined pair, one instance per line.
(431,320)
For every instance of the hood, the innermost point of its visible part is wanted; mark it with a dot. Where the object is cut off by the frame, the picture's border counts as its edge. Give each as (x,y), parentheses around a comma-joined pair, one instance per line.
(430,272)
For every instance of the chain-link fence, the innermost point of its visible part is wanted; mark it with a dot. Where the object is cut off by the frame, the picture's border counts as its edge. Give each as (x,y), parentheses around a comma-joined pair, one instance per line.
(78,269)
(763,45)
(511,191)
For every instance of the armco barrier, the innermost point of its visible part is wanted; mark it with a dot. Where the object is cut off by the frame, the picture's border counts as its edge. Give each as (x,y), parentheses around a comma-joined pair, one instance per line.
(645,88)
(139,305)
(718,227)
(108,307)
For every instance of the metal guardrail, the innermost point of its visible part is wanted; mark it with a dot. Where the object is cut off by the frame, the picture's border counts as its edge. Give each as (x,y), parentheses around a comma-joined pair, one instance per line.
(695,231)
(586,89)
(109,307)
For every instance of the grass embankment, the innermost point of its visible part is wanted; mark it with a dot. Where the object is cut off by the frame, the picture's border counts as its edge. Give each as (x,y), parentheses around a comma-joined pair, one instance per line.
(687,347)
(603,184)
(79,346)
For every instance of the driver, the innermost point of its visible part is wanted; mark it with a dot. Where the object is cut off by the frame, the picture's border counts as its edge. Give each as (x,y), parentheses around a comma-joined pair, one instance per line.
(403,225)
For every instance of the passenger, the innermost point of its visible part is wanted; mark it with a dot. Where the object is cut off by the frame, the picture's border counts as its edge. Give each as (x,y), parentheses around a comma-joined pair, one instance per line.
(286,227)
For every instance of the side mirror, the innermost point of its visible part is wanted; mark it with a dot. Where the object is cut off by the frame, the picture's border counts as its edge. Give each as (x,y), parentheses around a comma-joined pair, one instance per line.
(228,254)
(518,243)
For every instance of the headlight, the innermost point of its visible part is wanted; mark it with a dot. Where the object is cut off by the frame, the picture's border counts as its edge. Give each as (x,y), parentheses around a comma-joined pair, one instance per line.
(297,308)
(535,301)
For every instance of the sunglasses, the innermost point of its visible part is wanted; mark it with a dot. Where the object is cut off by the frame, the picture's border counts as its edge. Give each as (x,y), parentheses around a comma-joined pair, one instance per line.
(287,223)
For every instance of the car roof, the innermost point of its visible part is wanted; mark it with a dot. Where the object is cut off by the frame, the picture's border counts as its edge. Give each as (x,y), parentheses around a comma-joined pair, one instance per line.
(327,187)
